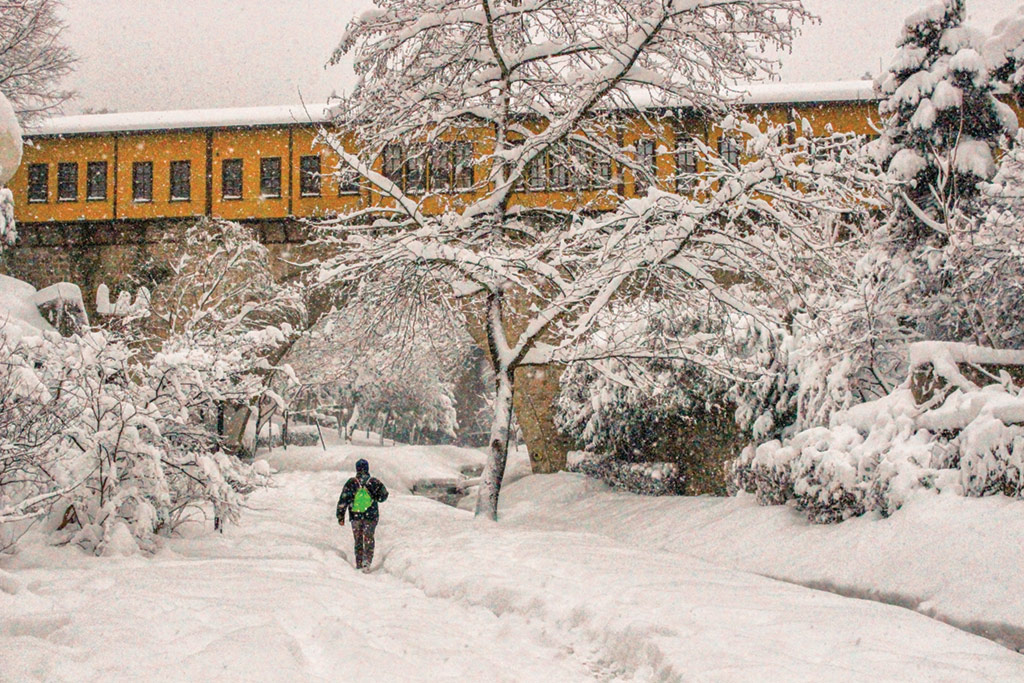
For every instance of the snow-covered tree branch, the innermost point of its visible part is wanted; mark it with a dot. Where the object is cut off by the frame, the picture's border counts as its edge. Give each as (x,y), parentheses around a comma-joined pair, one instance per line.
(464,102)
(33,59)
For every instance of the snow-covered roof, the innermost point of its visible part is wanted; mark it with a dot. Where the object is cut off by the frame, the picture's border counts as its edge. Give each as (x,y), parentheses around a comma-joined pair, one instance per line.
(181,119)
(834,91)
(755,94)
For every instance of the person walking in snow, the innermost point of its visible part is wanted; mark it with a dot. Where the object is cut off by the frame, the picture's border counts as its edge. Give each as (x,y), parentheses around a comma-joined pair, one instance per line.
(360,496)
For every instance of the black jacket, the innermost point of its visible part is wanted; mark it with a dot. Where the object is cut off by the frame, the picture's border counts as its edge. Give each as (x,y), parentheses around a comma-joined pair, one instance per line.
(348,493)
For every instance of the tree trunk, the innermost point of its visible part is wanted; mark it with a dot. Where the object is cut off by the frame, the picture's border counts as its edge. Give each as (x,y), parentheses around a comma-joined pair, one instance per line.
(236,426)
(384,426)
(501,426)
(350,428)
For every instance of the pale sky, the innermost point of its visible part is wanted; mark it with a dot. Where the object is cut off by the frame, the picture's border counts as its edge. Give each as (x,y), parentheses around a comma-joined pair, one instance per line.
(188,54)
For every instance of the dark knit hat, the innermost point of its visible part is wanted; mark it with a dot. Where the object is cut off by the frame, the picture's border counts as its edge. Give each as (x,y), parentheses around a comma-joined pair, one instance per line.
(362,467)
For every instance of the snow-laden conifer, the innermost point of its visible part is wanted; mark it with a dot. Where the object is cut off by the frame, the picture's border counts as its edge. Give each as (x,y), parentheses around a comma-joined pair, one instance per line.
(942,121)
(1004,52)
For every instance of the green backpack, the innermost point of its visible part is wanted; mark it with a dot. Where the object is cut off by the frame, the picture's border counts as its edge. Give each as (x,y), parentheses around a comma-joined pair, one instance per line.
(362,500)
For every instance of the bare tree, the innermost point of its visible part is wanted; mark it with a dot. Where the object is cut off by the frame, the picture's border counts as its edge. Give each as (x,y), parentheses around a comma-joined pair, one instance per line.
(33,60)
(215,292)
(556,82)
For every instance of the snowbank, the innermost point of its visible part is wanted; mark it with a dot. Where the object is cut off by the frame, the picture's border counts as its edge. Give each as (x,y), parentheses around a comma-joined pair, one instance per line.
(18,312)
(952,558)
(577,583)
(11,145)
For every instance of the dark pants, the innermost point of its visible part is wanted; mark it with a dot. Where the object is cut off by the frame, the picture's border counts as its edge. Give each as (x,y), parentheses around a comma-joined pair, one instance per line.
(362,532)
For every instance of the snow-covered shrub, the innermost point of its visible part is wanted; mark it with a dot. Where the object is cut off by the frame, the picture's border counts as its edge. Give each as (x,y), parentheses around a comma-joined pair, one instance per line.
(845,347)
(120,447)
(213,298)
(961,438)
(652,409)
(644,478)
(944,264)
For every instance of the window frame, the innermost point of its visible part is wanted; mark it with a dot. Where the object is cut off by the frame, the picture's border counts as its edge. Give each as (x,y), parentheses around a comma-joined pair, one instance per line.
(536,173)
(266,177)
(229,166)
(560,175)
(393,164)
(310,182)
(734,153)
(33,184)
(604,176)
(416,171)
(647,162)
(597,167)
(65,169)
(90,175)
(441,151)
(463,179)
(348,181)
(137,181)
(177,164)
(686,163)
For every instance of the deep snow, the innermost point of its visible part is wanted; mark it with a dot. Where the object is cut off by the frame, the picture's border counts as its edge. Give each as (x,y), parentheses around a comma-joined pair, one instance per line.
(575,583)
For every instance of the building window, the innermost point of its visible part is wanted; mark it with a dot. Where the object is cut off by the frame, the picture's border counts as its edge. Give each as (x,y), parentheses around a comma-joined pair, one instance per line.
(142,181)
(38,183)
(560,177)
(646,165)
(462,158)
(602,165)
(729,149)
(181,181)
(309,176)
(348,181)
(537,173)
(591,168)
(686,165)
(67,182)
(416,171)
(270,177)
(441,168)
(231,179)
(393,163)
(96,181)
(588,171)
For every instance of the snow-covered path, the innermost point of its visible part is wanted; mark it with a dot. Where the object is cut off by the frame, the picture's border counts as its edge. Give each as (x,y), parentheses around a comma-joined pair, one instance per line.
(275,599)
(272,600)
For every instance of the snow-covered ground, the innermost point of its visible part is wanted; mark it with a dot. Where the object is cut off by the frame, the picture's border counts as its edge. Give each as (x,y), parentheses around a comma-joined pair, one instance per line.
(576,583)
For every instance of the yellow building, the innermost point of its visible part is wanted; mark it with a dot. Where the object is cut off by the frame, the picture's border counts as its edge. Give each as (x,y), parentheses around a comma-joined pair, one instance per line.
(262,163)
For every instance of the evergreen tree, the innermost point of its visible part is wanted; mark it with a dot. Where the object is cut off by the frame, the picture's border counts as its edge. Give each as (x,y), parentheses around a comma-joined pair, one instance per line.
(1005,53)
(942,122)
